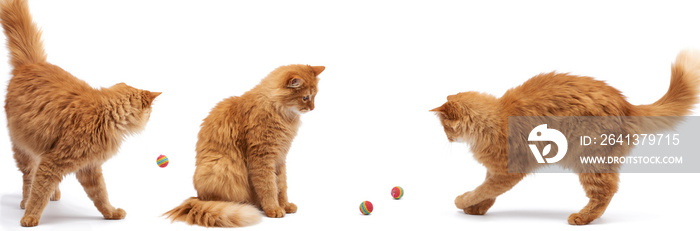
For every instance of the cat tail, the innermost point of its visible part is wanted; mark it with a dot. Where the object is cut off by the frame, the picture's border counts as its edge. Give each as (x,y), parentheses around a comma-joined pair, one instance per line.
(214,213)
(681,97)
(23,36)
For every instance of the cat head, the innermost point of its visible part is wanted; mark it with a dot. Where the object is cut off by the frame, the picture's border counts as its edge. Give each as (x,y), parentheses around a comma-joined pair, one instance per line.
(467,115)
(294,86)
(131,106)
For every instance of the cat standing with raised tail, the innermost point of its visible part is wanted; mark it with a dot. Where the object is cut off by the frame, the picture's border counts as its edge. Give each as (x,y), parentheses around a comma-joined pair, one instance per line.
(482,121)
(59,124)
(242,148)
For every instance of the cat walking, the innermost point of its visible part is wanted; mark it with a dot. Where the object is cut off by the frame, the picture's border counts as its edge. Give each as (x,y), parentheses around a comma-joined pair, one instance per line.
(58,124)
(482,121)
(242,148)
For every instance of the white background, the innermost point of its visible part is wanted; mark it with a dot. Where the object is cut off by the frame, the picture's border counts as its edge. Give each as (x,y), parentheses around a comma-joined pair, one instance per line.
(387,64)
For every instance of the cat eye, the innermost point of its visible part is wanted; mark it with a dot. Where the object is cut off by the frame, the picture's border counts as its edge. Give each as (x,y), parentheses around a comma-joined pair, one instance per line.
(305,98)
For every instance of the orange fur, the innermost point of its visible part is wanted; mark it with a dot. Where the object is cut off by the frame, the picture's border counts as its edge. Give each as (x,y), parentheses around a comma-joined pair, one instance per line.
(482,121)
(242,148)
(59,124)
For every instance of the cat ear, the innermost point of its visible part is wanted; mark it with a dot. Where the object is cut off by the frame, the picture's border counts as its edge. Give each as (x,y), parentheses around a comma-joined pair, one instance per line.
(439,109)
(318,69)
(447,110)
(152,95)
(295,82)
(148,98)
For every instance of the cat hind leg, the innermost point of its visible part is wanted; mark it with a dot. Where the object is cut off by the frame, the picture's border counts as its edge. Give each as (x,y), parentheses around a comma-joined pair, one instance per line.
(26,165)
(56,194)
(45,181)
(600,188)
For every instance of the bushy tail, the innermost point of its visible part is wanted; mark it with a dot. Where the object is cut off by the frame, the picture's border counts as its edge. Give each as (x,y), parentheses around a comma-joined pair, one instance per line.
(681,97)
(214,213)
(23,37)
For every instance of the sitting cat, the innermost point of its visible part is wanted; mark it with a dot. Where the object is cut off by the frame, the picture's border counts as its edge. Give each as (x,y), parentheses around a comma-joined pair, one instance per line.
(242,148)
(482,121)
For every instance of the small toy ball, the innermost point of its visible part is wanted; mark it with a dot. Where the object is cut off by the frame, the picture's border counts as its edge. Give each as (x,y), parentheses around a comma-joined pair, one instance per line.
(397,192)
(162,161)
(366,207)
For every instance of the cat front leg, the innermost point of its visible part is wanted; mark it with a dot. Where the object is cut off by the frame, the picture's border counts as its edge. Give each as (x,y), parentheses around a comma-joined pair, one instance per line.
(282,185)
(261,168)
(482,207)
(94,184)
(483,197)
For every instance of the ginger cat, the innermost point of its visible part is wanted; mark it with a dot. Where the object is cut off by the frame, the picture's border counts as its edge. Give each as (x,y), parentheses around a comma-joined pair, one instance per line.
(482,121)
(59,124)
(242,148)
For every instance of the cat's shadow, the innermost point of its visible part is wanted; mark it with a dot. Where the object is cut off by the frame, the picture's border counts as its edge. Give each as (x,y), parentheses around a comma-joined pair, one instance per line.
(56,212)
(526,215)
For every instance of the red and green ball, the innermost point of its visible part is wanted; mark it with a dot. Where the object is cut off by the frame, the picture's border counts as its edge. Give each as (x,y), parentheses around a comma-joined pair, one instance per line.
(397,192)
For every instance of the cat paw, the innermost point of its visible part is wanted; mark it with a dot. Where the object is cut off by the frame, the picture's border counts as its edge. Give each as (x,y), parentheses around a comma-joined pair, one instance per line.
(275,212)
(461,200)
(290,208)
(56,195)
(29,221)
(22,204)
(577,219)
(481,208)
(116,214)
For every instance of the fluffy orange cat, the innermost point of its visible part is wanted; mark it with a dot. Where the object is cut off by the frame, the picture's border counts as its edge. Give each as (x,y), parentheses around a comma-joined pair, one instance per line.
(59,124)
(242,148)
(482,121)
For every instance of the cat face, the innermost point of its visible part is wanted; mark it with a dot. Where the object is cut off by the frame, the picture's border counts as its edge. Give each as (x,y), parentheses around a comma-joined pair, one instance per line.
(451,115)
(301,87)
(465,114)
